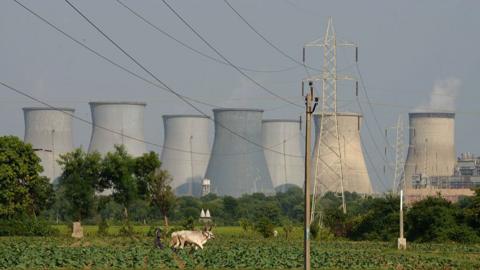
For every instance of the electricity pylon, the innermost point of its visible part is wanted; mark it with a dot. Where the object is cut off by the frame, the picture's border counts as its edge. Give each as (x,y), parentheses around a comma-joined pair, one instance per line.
(328,113)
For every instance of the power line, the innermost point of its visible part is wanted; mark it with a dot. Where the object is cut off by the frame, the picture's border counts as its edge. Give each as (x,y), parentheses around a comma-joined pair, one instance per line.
(23,93)
(162,83)
(103,56)
(367,155)
(368,101)
(226,59)
(265,39)
(185,45)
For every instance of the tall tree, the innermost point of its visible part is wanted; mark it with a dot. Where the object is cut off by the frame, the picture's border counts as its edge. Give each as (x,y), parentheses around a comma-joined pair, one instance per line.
(79,180)
(118,173)
(22,189)
(161,193)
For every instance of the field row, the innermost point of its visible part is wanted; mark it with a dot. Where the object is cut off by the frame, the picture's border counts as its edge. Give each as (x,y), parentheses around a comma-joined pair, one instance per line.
(122,253)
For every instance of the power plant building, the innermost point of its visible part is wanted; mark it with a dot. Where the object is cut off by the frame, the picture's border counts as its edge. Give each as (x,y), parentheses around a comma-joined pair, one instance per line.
(355,173)
(49,131)
(431,150)
(186,151)
(237,164)
(286,161)
(117,123)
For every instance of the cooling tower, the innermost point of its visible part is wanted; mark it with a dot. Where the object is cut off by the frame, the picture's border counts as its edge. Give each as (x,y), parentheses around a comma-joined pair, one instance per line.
(355,173)
(186,151)
(237,164)
(431,150)
(125,119)
(286,165)
(49,131)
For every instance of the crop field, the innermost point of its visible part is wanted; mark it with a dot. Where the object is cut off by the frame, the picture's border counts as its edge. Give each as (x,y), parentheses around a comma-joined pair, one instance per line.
(232,249)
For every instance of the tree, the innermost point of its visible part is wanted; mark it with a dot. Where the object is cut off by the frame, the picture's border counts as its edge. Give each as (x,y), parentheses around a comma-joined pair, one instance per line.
(79,180)
(145,169)
(118,174)
(22,189)
(436,219)
(161,194)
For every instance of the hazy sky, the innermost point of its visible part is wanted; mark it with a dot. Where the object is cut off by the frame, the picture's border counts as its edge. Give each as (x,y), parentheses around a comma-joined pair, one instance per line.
(408,50)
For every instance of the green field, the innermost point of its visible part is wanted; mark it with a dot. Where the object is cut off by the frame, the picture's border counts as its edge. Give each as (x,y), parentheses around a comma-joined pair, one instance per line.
(232,249)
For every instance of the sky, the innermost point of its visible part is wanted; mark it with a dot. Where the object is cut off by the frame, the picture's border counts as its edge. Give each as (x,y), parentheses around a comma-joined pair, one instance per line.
(413,55)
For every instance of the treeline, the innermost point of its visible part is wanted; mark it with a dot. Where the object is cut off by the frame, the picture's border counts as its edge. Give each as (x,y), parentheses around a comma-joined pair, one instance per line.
(120,189)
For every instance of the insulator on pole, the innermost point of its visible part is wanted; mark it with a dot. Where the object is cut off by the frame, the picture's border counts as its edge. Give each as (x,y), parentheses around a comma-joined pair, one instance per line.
(386,131)
(303,55)
(303,88)
(356,54)
(356,88)
(300,123)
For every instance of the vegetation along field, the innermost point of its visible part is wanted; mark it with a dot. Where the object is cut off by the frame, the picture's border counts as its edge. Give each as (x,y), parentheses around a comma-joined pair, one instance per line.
(232,248)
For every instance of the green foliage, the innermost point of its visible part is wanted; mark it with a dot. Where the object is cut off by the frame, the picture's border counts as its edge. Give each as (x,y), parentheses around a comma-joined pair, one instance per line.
(265,227)
(103,227)
(287,227)
(378,220)
(188,224)
(161,194)
(26,226)
(228,253)
(436,219)
(22,189)
(79,180)
(245,224)
(118,173)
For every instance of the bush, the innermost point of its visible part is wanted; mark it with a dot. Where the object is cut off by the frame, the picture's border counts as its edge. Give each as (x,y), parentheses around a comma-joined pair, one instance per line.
(265,227)
(26,227)
(103,227)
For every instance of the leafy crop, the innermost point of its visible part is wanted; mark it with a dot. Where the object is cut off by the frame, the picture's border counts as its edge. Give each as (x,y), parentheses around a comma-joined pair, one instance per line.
(228,253)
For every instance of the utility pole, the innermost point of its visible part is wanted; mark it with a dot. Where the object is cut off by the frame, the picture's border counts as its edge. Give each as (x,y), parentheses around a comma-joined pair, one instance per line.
(310,105)
(402,242)
(190,185)
(284,166)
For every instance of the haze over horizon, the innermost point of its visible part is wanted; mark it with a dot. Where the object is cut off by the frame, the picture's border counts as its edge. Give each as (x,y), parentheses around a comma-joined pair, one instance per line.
(412,55)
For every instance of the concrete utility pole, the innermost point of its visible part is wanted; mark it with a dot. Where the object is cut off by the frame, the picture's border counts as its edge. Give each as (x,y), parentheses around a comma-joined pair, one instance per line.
(402,242)
(310,105)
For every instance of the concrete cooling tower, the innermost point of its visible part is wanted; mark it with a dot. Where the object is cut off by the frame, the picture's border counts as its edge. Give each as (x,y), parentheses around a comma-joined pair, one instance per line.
(125,118)
(186,151)
(431,150)
(286,165)
(355,173)
(49,131)
(238,166)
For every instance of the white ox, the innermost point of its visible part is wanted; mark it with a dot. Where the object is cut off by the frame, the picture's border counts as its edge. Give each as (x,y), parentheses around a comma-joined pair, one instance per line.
(196,238)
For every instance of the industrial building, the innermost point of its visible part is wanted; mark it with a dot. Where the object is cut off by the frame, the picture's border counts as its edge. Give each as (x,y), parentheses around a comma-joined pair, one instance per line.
(431,150)
(186,151)
(117,123)
(353,169)
(237,164)
(49,131)
(286,162)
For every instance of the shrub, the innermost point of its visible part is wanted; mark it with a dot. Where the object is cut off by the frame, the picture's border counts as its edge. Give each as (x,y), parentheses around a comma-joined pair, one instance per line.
(103,227)
(26,227)
(265,227)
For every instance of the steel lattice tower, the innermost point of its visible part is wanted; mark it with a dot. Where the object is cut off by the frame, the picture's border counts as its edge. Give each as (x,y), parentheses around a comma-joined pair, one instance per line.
(328,125)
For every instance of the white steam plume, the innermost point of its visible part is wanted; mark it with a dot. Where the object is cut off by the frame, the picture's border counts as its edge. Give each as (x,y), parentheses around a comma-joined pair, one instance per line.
(443,95)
